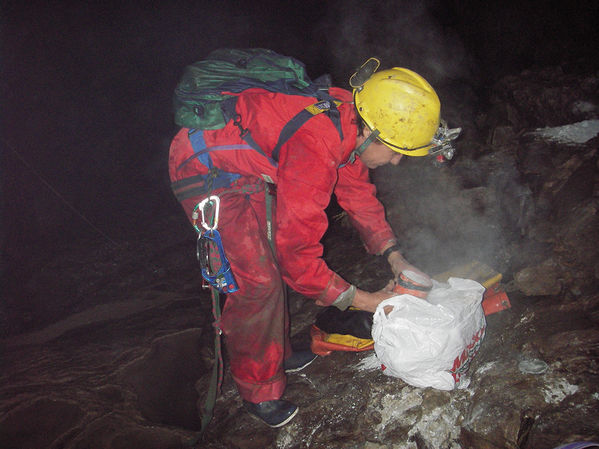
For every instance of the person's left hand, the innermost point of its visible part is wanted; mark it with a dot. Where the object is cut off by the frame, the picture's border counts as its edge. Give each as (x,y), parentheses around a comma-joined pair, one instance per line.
(399,264)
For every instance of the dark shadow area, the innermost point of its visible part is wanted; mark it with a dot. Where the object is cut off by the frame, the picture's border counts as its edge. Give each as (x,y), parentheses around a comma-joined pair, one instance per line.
(103,319)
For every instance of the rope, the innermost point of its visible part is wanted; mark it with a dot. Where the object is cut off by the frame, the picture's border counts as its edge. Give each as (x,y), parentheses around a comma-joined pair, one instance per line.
(58,194)
(216,380)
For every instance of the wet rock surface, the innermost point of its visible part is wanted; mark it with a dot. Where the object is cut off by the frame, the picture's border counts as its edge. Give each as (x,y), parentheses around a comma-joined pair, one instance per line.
(118,348)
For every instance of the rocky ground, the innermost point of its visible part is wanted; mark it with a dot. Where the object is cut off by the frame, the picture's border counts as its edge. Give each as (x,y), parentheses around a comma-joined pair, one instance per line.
(113,347)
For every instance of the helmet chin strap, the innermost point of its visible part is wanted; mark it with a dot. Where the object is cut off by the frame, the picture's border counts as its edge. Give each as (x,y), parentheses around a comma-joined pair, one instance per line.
(358,151)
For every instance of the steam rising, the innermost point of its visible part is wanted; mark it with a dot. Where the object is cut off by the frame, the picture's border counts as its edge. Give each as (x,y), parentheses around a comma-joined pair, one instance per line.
(441,222)
(401,33)
(442,217)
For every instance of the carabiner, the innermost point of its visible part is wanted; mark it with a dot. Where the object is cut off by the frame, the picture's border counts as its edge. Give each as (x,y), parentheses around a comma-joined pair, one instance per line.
(210,202)
(214,202)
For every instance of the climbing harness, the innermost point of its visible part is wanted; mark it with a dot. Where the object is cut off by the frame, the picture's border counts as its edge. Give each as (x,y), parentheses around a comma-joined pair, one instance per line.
(216,271)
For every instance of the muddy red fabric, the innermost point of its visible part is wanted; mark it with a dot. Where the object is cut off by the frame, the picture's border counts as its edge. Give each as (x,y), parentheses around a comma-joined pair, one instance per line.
(254,319)
(312,166)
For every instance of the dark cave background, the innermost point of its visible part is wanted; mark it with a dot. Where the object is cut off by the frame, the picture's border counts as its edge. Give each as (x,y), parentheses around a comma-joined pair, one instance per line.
(87,89)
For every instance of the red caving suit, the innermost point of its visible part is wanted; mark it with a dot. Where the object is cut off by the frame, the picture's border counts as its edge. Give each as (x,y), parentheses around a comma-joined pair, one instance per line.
(313,164)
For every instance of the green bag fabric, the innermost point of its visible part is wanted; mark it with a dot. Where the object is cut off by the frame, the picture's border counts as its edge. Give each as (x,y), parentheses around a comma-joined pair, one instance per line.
(199,100)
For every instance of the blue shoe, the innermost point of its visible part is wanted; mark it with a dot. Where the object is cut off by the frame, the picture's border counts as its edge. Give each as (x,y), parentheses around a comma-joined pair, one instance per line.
(275,413)
(298,361)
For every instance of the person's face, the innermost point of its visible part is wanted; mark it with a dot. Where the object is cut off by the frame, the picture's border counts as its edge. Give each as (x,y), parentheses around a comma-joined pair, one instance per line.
(377,153)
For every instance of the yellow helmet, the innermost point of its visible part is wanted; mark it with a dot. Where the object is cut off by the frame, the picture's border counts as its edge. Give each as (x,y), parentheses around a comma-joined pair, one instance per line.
(399,106)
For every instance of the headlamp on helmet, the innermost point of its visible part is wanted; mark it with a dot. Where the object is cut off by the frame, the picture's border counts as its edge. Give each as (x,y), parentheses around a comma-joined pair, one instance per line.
(442,141)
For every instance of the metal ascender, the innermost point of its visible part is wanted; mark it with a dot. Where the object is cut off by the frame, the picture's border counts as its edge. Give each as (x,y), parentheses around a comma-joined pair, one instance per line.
(216,269)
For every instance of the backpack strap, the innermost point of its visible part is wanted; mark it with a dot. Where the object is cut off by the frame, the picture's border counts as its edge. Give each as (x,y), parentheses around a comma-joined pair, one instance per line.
(329,107)
(327,104)
(214,179)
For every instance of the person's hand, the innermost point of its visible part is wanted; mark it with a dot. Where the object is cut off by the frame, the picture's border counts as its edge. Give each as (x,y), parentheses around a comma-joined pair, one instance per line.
(369,301)
(399,264)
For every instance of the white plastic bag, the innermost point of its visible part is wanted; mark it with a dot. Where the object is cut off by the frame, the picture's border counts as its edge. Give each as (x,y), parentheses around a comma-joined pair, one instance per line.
(430,343)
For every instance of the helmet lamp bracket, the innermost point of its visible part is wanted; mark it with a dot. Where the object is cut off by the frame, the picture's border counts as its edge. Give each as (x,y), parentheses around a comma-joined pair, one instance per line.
(365,71)
(442,140)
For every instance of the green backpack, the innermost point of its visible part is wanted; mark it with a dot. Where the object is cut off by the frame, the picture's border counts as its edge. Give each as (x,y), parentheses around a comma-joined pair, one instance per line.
(201,101)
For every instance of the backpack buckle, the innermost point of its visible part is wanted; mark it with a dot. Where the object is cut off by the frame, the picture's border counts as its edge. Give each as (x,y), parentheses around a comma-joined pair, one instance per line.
(237,122)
